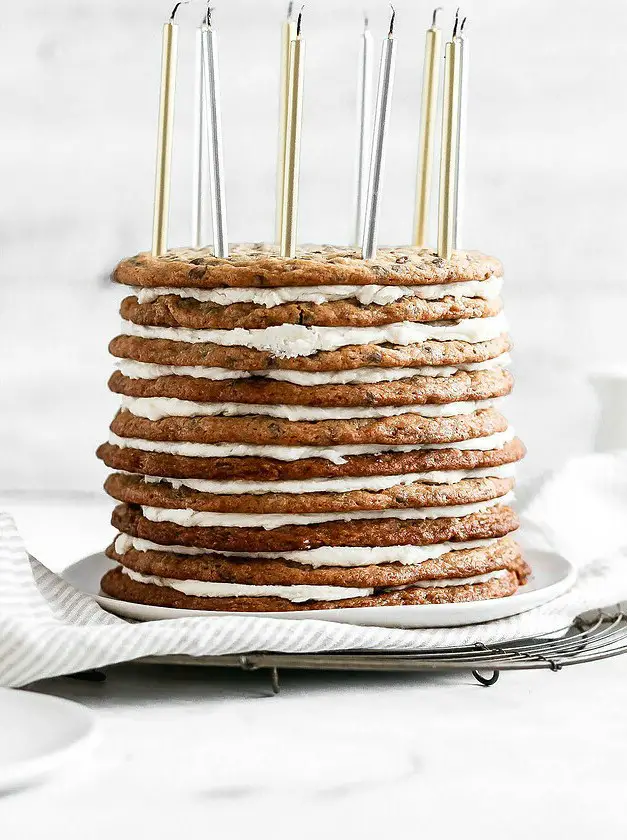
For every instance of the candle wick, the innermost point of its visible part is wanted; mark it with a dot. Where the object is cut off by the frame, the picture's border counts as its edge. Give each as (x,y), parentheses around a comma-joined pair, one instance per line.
(299,21)
(290,10)
(176,8)
(208,13)
(392,19)
(366,22)
(462,25)
(434,19)
(456,24)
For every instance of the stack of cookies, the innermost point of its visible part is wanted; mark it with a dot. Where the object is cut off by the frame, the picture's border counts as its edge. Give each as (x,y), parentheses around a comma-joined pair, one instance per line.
(311,433)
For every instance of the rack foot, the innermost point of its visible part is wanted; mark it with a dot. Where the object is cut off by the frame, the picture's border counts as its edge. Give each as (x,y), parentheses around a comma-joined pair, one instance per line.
(486,681)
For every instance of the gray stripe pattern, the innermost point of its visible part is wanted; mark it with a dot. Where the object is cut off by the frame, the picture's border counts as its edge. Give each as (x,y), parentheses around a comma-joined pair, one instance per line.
(48,629)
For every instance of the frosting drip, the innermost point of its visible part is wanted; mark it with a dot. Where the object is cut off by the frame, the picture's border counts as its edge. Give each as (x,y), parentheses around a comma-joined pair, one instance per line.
(143,370)
(292,340)
(297,594)
(335,454)
(269,521)
(371,294)
(156,408)
(333,485)
(343,556)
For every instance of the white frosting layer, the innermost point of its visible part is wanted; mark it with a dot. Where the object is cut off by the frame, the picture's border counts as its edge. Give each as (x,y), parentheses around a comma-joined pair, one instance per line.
(204,589)
(143,370)
(428,584)
(335,454)
(291,340)
(342,556)
(156,408)
(487,289)
(297,594)
(269,521)
(334,485)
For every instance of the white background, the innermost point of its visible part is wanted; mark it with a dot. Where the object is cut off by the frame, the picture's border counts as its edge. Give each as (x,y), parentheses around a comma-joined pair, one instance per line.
(356,754)
(78,93)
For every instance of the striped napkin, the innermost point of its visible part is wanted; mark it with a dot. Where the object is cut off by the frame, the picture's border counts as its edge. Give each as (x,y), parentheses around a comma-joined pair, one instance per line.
(47,628)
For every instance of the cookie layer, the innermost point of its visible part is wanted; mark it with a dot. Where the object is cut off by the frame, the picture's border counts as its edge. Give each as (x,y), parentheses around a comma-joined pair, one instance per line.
(496,522)
(119,585)
(502,554)
(402,429)
(270,469)
(258,266)
(420,390)
(163,351)
(134,490)
(172,311)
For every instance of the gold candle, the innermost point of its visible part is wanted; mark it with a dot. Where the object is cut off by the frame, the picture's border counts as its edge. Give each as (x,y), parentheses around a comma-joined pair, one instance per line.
(449,161)
(288,34)
(164,136)
(289,213)
(428,110)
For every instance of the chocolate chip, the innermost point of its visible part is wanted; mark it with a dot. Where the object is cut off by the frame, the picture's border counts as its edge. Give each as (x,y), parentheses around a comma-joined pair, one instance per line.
(197,272)
(198,261)
(402,259)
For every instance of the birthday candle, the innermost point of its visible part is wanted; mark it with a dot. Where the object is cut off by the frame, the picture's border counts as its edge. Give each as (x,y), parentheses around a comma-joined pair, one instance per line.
(164,136)
(289,218)
(430,81)
(381,120)
(214,138)
(364,136)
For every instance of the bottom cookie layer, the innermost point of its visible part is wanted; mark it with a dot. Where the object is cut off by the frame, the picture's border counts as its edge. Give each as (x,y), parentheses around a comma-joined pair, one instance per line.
(119,585)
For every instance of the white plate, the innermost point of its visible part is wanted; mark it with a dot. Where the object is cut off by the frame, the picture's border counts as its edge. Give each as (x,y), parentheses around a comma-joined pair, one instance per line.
(39,733)
(552,576)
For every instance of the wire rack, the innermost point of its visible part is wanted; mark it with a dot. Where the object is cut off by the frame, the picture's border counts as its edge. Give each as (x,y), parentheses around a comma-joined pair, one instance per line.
(594,635)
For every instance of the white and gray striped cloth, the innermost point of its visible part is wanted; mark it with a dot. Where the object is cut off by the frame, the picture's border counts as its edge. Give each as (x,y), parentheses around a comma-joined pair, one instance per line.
(47,628)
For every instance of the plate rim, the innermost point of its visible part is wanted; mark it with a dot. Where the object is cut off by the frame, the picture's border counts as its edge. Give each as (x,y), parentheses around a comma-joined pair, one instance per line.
(20,773)
(524,600)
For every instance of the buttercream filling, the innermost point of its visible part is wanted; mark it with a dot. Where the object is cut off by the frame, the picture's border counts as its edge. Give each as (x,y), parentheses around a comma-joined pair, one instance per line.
(292,340)
(333,485)
(335,454)
(298,593)
(156,408)
(371,294)
(269,521)
(144,370)
(334,555)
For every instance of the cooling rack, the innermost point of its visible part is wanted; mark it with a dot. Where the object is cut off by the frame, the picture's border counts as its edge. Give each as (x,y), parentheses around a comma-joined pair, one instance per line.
(592,636)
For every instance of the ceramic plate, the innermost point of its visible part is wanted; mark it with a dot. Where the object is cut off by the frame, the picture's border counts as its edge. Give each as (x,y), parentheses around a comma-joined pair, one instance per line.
(39,733)
(552,576)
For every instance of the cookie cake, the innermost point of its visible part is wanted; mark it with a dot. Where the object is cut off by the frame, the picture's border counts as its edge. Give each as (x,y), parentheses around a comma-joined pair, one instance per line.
(311,433)
(307,428)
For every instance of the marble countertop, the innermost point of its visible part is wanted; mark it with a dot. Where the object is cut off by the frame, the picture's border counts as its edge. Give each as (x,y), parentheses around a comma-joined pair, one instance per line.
(371,755)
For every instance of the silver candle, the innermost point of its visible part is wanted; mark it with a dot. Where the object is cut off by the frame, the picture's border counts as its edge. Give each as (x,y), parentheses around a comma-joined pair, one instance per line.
(381,120)
(458,215)
(211,86)
(199,151)
(364,135)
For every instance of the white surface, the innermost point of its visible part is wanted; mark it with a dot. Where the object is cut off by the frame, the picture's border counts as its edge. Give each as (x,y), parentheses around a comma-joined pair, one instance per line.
(342,755)
(546,189)
(39,735)
(552,576)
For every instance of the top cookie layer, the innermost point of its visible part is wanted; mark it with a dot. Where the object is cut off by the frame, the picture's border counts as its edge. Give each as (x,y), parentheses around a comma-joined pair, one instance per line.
(259,266)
